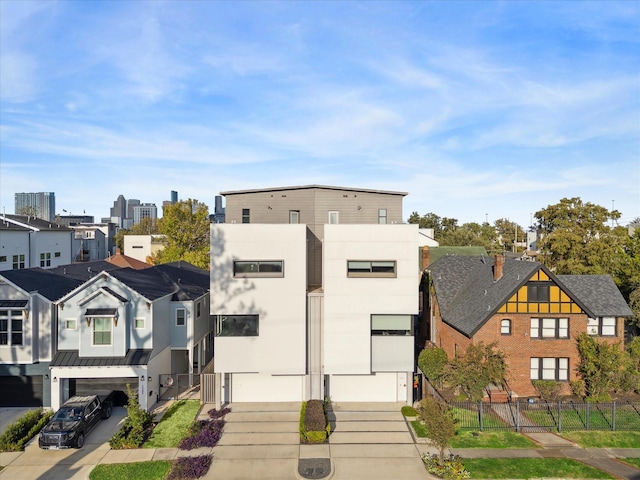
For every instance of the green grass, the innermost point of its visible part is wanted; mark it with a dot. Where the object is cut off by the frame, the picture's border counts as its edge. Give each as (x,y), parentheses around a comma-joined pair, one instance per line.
(408,411)
(419,428)
(626,417)
(155,470)
(500,439)
(470,419)
(174,425)
(632,461)
(531,468)
(603,439)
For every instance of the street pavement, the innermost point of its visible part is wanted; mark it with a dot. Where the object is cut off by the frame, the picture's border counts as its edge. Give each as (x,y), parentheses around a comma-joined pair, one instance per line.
(369,441)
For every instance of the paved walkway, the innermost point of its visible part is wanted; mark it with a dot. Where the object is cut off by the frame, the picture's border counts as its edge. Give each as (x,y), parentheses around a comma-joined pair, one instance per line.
(369,441)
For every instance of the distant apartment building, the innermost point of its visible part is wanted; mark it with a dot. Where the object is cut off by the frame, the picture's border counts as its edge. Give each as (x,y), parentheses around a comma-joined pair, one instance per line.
(126,213)
(144,210)
(39,204)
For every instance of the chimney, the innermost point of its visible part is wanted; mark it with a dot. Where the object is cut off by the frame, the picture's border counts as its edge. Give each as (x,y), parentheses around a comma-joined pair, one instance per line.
(498,265)
(425,257)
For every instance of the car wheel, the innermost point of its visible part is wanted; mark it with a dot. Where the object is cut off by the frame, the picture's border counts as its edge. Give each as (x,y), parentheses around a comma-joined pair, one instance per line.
(80,440)
(107,412)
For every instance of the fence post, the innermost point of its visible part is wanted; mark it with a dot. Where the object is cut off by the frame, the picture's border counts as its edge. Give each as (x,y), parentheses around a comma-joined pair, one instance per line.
(613,415)
(480,412)
(587,410)
(518,415)
(559,417)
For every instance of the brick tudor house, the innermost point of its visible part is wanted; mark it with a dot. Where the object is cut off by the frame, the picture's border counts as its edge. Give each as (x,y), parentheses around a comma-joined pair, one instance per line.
(533,315)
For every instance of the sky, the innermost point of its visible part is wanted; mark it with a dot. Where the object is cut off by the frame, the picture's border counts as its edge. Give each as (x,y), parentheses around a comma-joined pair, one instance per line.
(479,110)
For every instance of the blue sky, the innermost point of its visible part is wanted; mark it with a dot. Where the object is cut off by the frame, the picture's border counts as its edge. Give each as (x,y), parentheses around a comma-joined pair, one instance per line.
(479,110)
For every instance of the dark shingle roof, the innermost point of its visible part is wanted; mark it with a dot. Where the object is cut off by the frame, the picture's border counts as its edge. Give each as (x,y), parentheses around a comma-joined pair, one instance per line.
(70,358)
(48,284)
(468,295)
(84,270)
(192,282)
(599,293)
(147,282)
(34,222)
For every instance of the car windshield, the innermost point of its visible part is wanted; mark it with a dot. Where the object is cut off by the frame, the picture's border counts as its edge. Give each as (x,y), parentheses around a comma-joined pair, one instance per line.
(68,413)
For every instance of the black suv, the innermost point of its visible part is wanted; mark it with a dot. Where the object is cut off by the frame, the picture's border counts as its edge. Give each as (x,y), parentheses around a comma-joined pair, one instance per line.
(75,419)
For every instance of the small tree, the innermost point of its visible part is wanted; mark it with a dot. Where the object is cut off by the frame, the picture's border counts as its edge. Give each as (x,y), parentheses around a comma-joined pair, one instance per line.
(136,427)
(480,366)
(432,361)
(439,422)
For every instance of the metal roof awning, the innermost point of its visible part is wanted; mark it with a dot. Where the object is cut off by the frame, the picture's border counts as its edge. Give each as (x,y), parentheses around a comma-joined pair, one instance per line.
(13,303)
(71,358)
(101,312)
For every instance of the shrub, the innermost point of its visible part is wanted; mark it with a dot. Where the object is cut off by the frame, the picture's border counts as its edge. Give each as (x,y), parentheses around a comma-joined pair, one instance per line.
(190,467)
(480,366)
(214,414)
(432,361)
(136,428)
(439,422)
(408,411)
(549,390)
(450,467)
(577,388)
(17,434)
(205,433)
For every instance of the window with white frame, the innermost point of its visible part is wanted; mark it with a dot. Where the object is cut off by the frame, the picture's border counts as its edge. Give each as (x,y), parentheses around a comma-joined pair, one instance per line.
(258,268)
(70,324)
(3,258)
(371,268)
(294,216)
(45,259)
(549,328)
(602,326)
(391,324)
(334,217)
(550,369)
(505,326)
(181,317)
(382,215)
(237,325)
(102,330)
(11,327)
(138,322)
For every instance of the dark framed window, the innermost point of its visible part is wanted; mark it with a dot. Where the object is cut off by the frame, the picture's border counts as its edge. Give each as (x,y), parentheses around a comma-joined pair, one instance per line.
(237,325)
(246,215)
(371,268)
(549,369)
(258,268)
(602,326)
(549,328)
(11,327)
(505,326)
(391,324)
(4,331)
(3,258)
(538,292)
(198,310)
(57,254)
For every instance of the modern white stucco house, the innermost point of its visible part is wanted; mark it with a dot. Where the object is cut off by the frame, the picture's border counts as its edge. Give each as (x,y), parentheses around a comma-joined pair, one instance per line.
(315,309)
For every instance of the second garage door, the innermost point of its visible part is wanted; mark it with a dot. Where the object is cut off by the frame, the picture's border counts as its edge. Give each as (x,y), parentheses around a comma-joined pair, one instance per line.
(255,387)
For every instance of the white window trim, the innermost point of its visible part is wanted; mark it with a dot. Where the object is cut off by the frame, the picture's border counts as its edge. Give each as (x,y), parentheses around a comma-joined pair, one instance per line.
(66,323)
(185,317)
(332,213)
(135,323)
(110,344)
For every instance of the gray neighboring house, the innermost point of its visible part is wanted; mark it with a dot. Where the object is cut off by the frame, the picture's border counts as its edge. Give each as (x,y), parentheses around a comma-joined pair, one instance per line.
(27,333)
(132,327)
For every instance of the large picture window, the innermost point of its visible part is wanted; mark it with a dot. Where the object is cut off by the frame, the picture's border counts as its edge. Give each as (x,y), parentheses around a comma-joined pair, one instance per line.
(102,330)
(391,325)
(237,325)
(602,326)
(371,268)
(258,268)
(549,328)
(550,369)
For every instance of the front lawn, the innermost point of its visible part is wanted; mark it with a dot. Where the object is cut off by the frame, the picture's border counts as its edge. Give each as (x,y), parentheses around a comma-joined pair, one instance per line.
(174,425)
(632,461)
(604,439)
(499,439)
(155,470)
(531,468)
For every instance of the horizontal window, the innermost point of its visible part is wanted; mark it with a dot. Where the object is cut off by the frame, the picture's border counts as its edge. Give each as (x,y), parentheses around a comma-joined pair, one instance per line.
(237,325)
(549,328)
(258,268)
(603,326)
(3,258)
(371,268)
(550,369)
(391,324)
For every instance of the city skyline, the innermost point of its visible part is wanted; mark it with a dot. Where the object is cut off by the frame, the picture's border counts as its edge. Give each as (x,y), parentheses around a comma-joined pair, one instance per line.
(478,110)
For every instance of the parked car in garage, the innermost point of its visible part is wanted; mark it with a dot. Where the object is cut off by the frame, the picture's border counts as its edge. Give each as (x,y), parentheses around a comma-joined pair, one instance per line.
(71,424)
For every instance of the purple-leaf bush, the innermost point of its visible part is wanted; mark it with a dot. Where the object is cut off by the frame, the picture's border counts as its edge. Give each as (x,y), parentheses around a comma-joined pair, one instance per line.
(205,433)
(215,414)
(190,467)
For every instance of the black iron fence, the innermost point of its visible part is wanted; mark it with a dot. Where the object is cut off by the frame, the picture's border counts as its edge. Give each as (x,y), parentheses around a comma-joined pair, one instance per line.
(176,386)
(526,416)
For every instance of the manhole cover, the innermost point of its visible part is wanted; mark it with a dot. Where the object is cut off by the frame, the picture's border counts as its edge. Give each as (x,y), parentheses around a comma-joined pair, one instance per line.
(314,468)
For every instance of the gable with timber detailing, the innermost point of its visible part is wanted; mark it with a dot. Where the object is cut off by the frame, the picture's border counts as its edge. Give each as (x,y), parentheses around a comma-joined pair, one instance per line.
(540,295)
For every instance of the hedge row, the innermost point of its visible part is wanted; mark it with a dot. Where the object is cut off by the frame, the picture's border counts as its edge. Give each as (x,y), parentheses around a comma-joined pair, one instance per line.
(17,434)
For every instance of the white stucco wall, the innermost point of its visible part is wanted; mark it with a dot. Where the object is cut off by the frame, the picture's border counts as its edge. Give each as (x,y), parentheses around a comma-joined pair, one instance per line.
(14,243)
(280,347)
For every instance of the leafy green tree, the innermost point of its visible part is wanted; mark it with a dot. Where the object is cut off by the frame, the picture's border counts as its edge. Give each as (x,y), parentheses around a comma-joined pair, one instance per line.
(146,226)
(440,423)
(432,362)
(186,227)
(480,366)
(601,365)
(119,238)
(510,233)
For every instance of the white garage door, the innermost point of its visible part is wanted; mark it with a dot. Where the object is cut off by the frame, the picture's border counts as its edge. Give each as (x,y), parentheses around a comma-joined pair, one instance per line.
(380,387)
(255,387)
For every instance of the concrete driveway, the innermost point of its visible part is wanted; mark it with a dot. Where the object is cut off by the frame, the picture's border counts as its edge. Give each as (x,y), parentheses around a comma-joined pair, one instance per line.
(71,464)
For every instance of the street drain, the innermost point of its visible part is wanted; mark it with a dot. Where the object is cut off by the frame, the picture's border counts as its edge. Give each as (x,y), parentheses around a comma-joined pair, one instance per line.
(314,468)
